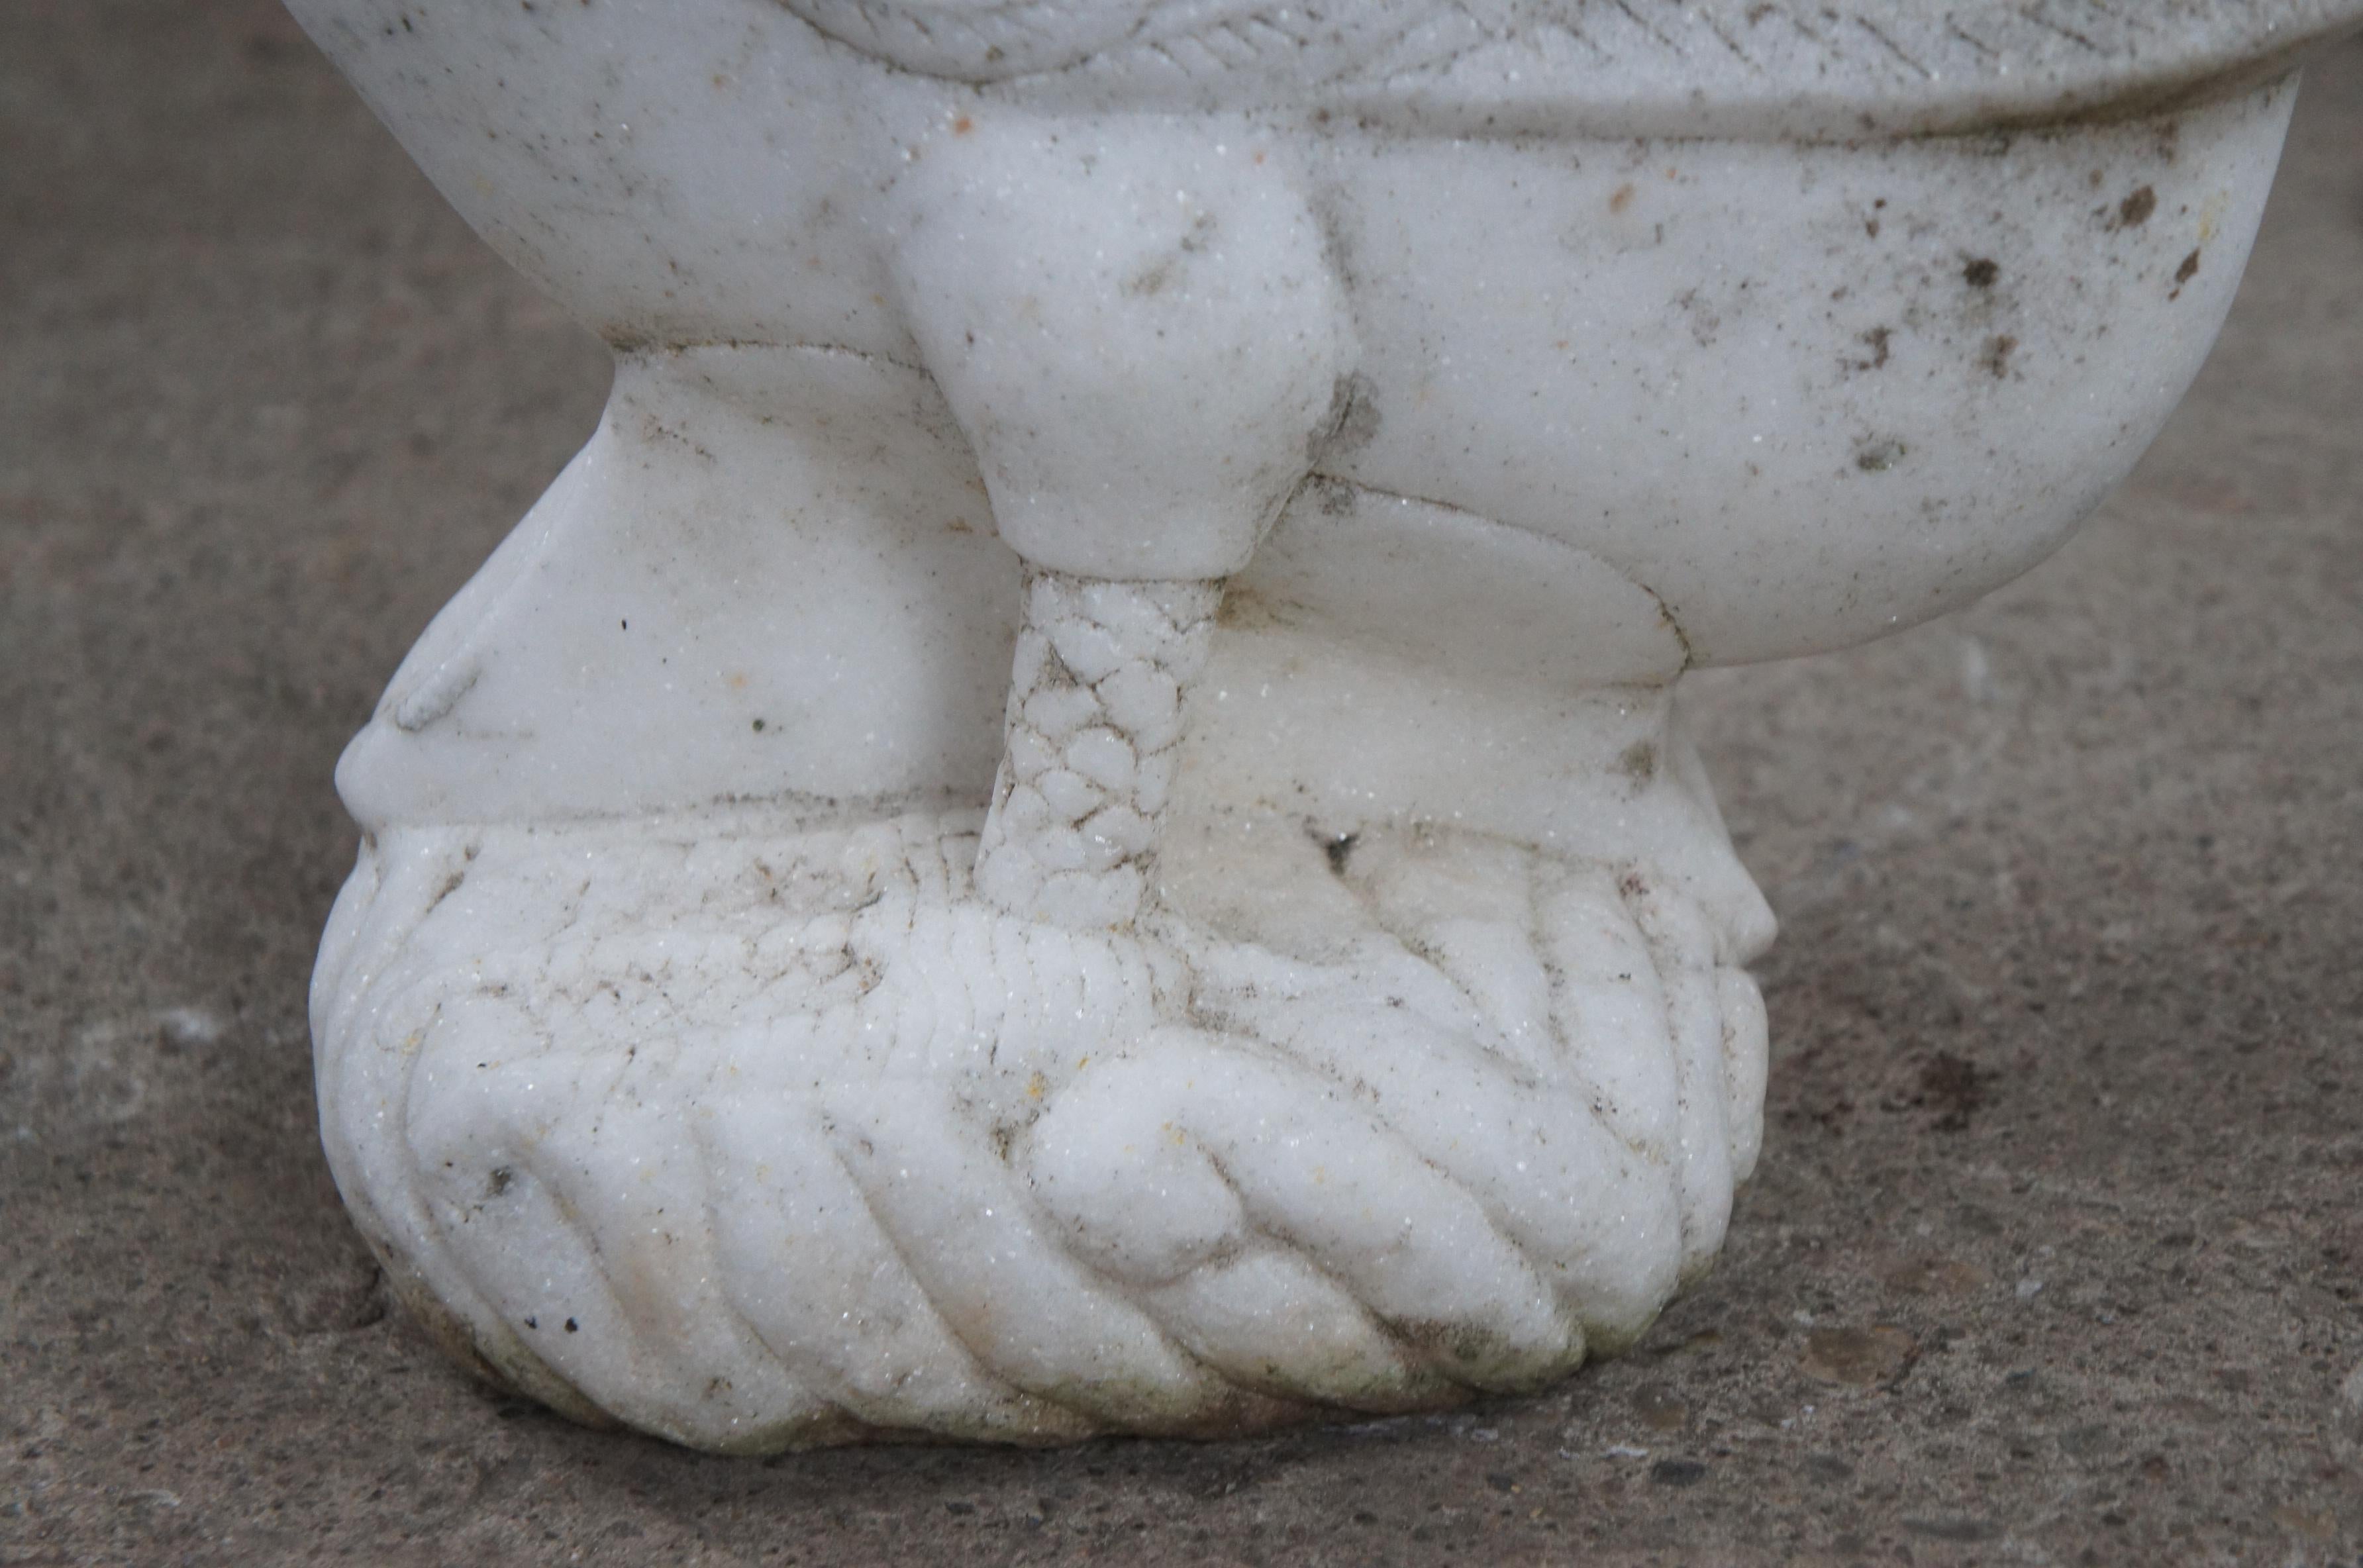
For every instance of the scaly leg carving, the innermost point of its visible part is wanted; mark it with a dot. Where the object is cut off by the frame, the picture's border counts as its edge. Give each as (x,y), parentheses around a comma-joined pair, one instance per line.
(1094,728)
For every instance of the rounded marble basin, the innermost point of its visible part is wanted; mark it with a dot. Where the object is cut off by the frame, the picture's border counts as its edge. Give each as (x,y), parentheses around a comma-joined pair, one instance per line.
(1813,324)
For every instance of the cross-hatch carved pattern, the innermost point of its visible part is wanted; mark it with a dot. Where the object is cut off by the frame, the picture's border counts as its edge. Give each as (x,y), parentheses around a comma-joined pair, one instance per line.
(1593,54)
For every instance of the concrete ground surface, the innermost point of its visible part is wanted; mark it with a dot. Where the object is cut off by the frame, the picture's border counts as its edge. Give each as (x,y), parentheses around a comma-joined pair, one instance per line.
(2056,1255)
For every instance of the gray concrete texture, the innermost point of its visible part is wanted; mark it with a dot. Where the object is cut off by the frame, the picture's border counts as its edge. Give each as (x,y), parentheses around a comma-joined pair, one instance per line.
(2056,1255)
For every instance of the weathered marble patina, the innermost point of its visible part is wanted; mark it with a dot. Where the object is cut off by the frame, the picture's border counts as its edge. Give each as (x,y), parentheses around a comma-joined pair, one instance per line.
(1072,820)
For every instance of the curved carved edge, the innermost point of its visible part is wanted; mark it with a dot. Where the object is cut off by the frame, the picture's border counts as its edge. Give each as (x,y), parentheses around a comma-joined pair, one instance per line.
(1749,68)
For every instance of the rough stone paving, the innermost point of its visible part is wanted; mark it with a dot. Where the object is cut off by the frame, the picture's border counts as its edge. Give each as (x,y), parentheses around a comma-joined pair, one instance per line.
(2056,1252)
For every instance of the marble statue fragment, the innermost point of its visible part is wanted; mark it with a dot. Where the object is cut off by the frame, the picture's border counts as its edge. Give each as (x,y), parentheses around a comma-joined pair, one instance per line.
(1074,820)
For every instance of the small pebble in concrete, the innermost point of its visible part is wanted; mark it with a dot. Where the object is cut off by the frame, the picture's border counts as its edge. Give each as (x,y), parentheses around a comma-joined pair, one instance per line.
(1931,1274)
(187,1028)
(1678,1473)
(1659,1410)
(1861,1358)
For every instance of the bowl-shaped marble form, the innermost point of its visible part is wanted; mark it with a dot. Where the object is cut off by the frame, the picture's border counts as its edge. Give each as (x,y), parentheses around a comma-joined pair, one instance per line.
(1071,819)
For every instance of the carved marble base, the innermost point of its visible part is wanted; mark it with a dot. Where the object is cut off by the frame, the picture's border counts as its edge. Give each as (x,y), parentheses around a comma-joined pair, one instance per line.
(753,1132)
(1072,820)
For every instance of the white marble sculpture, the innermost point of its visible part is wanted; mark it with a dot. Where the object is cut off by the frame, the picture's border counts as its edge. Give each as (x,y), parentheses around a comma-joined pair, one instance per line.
(1073,819)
